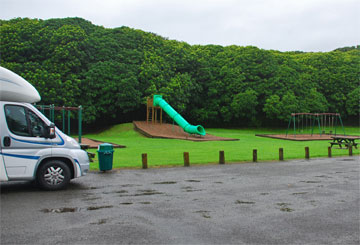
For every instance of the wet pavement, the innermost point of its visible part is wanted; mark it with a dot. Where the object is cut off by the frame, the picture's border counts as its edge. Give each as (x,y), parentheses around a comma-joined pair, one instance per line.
(292,202)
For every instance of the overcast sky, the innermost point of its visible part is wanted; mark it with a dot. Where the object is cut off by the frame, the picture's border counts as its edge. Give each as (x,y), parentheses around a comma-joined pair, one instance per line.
(285,25)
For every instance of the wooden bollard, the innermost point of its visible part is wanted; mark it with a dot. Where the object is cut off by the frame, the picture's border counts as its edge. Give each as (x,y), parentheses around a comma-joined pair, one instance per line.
(281,154)
(307,153)
(186,159)
(254,155)
(221,157)
(144,161)
(350,150)
(329,151)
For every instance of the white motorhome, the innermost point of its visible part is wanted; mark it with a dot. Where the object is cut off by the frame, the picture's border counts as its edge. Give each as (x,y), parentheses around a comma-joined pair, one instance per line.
(31,147)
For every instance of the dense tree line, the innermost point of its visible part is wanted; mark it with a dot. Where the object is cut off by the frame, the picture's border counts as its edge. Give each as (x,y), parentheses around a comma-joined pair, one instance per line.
(111,72)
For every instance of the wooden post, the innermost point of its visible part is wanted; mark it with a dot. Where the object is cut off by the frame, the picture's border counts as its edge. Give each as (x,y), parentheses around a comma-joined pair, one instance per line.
(307,153)
(160,115)
(281,154)
(147,112)
(329,151)
(221,157)
(144,161)
(350,150)
(152,115)
(186,159)
(254,155)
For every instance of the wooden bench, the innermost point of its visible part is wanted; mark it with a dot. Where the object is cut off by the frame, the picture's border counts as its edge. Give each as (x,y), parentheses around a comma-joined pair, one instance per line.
(336,143)
(351,144)
(347,144)
(91,156)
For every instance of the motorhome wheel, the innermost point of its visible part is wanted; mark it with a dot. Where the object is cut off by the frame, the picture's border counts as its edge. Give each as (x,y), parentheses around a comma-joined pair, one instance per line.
(53,175)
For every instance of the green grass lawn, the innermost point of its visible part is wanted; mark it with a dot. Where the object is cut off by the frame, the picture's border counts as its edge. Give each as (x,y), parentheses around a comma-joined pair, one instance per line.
(169,152)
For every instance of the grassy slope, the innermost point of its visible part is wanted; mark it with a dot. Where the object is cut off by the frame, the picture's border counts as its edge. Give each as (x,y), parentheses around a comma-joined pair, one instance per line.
(170,151)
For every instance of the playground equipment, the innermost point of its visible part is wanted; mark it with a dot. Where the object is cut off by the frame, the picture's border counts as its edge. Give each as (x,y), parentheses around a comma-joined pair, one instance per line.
(158,101)
(63,109)
(152,112)
(304,123)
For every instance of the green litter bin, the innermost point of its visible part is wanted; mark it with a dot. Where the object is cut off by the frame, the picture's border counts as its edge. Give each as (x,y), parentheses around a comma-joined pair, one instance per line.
(105,156)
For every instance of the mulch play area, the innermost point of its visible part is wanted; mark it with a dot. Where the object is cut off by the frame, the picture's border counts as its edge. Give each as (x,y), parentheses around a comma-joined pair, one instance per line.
(170,131)
(298,137)
(93,144)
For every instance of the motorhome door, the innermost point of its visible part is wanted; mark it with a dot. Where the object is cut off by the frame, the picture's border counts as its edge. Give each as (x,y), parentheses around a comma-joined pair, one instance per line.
(23,140)
(3,175)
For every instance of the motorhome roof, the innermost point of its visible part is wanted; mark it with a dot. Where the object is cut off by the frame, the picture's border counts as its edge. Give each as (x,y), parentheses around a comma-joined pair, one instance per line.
(16,89)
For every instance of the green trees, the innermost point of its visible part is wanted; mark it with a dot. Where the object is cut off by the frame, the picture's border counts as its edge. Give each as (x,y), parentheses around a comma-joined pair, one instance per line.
(111,72)
(109,89)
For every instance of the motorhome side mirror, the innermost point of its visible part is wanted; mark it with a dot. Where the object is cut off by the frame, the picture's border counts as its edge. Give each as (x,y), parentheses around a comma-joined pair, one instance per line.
(51,131)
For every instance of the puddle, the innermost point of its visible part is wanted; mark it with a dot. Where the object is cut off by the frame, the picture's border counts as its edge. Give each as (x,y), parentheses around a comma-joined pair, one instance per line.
(145,203)
(299,193)
(88,194)
(311,181)
(143,193)
(165,183)
(116,192)
(147,193)
(129,185)
(219,182)
(71,210)
(91,198)
(122,191)
(192,180)
(192,190)
(88,188)
(100,222)
(313,203)
(204,213)
(92,208)
(283,204)
(348,160)
(264,193)
(59,210)
(323,176)
(284,207)
(189,189)
(244,202)
(126,203)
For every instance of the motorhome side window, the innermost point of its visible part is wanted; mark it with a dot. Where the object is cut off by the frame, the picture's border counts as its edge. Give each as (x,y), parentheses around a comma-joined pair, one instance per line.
(24,122)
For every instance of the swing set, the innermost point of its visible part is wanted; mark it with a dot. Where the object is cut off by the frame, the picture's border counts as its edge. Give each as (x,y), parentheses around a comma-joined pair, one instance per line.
(305,123)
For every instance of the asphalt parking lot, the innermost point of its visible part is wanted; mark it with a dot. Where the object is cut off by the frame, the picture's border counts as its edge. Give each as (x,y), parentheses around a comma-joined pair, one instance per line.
(293,202)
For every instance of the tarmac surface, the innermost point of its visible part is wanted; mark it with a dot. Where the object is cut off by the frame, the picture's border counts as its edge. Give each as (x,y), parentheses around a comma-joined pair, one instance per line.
(293,202)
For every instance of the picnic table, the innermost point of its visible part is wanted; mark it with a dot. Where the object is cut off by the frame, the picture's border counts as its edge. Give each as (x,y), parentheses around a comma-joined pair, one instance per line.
(344,140)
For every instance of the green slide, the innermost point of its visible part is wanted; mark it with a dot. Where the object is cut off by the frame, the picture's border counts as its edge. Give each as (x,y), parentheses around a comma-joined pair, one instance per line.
(188,128)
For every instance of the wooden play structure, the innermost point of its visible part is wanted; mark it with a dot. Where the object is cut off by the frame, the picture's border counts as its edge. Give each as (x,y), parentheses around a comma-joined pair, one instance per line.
(152,112)
(154,127)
